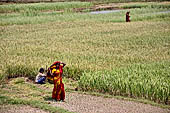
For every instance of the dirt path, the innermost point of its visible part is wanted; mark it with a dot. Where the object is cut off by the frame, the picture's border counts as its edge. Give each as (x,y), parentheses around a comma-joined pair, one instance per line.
(82,103)
(19,109)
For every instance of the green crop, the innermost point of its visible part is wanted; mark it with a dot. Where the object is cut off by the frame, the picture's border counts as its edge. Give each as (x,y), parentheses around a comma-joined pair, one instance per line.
(43,7)
(145,81)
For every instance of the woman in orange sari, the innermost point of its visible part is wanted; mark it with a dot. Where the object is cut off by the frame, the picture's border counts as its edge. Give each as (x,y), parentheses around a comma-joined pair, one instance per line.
(56,70)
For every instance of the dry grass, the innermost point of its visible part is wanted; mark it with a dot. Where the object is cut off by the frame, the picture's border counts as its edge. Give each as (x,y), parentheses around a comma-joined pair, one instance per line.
(86,44)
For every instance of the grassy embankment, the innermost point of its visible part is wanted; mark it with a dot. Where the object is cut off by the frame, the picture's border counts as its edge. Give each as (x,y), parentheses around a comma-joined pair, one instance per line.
(102,52)
(20,92)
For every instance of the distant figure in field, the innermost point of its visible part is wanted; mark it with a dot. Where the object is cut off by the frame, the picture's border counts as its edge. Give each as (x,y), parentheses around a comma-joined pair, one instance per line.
(56,71)
(127,17)
(40,78)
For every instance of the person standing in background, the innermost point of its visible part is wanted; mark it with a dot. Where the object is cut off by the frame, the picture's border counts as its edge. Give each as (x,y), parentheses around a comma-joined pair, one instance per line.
(127,17)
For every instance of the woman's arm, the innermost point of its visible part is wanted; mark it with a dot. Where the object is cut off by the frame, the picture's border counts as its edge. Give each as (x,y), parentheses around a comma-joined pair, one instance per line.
(63,64)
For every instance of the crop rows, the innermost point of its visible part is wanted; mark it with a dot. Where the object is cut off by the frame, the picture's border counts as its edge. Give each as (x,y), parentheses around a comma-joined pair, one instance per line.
(144,81)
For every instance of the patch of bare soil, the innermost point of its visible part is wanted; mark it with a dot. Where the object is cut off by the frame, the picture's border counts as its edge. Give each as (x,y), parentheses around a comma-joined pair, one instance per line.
(111,6)
(82,103)
(19,109)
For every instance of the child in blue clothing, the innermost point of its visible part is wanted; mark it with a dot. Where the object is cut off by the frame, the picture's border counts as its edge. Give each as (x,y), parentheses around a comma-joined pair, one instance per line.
(40,78)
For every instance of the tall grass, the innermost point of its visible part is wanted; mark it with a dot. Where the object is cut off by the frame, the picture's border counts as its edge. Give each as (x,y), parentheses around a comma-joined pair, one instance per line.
(35,7)
(144,80)
(13,71)
(147,5)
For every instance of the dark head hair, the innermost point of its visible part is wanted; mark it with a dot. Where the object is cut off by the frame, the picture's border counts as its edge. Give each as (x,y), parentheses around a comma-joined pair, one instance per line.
(57,62)
(41,70)
(128,12)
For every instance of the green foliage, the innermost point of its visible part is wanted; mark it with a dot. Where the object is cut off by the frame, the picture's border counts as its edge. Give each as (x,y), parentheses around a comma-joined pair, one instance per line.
(33,103)
(73,72)
(19,81)
(2,77)
(164,6)
(135,6)
(146,5)
(34,8)
(13,71)
(148,81)
(19,91)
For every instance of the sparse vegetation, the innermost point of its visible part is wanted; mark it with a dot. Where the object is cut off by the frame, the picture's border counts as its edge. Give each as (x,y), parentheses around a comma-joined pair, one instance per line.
(20,92)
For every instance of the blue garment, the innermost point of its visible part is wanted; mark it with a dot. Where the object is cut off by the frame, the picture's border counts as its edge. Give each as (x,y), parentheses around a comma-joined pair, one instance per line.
(41,80)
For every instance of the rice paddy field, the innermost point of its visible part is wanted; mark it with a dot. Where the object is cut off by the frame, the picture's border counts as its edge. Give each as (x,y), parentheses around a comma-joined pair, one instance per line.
(102,52)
